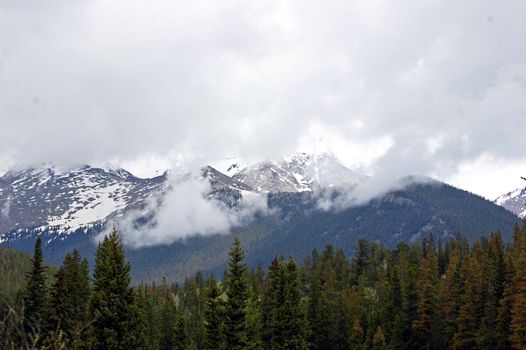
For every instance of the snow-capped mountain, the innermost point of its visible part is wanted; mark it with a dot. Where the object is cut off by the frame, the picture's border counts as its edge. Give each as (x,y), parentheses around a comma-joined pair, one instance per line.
(63,201)
(66,200)
(298,173)
(514,201)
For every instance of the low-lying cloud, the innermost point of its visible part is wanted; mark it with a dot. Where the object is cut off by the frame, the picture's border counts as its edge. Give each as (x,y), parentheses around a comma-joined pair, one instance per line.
(186,210)
(341,198)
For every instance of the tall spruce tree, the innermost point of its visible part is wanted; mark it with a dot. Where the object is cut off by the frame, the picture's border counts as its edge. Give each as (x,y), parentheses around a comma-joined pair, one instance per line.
(168,318)
(502,331)
(36,294)
(181,340)
(68,304)
(117,324)
(451,290)
(427,323)
(493,289)
(394,309)
(408,271)
(287,324)
(465,337)
(214,311)
(238,295)
(360,260)
(270,302)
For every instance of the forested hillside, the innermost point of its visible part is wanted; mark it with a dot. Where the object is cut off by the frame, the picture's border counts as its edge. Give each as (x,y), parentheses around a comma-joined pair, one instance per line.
(14,266)
(424,295)
(295,224)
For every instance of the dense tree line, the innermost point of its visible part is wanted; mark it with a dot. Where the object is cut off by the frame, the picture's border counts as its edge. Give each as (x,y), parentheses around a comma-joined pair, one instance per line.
(425,295)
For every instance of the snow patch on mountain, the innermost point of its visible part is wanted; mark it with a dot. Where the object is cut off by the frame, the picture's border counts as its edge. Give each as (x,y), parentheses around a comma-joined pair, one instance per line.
(67,199)
(299,172)
(514,201)
(64,200)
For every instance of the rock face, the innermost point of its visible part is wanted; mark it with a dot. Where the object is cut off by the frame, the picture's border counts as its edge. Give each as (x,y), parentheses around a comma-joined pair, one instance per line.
(514,201)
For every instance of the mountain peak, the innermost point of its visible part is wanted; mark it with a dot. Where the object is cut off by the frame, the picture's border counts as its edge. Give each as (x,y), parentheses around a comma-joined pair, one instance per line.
(514,201)
(299,172)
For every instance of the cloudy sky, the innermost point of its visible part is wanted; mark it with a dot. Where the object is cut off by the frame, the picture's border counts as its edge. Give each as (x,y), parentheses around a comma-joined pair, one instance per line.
(435,87)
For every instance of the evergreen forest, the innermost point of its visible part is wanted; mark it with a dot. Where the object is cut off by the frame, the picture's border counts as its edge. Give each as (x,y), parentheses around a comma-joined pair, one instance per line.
(425,295)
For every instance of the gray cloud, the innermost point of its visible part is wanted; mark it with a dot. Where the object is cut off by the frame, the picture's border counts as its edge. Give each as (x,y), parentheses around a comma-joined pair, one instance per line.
(89,81)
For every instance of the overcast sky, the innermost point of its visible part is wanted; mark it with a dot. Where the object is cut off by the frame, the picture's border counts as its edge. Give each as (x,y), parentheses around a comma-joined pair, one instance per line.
(391,87)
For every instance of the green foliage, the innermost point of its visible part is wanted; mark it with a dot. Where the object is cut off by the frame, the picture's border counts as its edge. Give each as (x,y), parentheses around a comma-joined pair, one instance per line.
(518,301)
(67,311)
(115,314)
(35,295)
(427,325)
(237,294)
(214,315)
(282,313)
(450,295)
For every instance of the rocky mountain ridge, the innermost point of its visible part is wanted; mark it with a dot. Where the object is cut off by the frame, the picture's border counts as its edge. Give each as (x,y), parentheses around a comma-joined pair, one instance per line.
(63,201)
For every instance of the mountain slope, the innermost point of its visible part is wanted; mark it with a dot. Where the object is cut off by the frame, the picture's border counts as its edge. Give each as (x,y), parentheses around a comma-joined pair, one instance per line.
(296,225)
(514,201)
(64,201)
(69,208)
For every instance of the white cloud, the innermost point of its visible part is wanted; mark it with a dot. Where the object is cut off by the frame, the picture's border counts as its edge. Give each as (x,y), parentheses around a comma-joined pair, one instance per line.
(490,176)
(187,211)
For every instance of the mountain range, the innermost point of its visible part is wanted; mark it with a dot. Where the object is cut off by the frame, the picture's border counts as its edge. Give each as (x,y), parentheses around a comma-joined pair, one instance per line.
(68,208)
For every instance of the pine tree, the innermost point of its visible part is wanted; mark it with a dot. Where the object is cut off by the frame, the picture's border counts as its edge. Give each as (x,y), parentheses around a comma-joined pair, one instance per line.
(69,297)
(394,309)
(408,272)
(472,303)
(493,289)
(113,307)
(269,302)
(518,305)
(426,325)
(214,311)
(451,289)
(502,331)
(314,305)
(238,295)
(150,315)
(35,296)
(168,319)
(180,332)
(288,324)
(360,260)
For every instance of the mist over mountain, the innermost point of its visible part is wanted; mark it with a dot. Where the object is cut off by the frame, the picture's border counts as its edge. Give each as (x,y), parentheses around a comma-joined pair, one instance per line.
(180,222)
(64,200)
